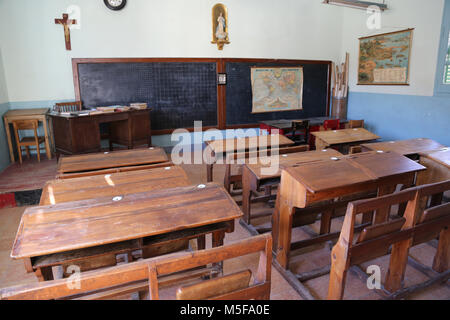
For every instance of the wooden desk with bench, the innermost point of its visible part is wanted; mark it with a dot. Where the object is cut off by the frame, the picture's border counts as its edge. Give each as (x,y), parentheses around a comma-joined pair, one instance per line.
(308,184)
(104,162)
(438,166)
(121,183)
(39,114)
(68,232)
(220,148)
(253,175)
(331,138)
(407,148)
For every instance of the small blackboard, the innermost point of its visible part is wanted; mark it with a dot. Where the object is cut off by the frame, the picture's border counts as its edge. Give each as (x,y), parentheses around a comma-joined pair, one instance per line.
(239,91)
(177,92)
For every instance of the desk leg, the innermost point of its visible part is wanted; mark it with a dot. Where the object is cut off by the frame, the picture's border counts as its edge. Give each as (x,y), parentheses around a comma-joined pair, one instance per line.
(247,185)
(320,144)
(47,144)
(44,274)
(282,230)
(382,214)
(8,136)
(209,172)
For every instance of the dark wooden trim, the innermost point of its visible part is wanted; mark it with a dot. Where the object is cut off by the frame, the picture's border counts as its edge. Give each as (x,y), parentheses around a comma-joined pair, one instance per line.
(221,90)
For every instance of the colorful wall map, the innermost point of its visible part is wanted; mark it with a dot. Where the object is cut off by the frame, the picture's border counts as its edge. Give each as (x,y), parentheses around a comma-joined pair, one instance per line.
(277,89)
(384,58)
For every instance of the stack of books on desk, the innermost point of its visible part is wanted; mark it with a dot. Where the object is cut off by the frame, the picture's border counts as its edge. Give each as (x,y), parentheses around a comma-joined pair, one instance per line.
(138,105)
(106,109)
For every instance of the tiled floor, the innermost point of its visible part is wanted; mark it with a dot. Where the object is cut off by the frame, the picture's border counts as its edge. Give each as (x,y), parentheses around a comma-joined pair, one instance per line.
(12,272)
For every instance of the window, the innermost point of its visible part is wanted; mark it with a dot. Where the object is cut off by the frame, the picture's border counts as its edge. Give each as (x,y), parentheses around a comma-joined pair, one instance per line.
(442,82)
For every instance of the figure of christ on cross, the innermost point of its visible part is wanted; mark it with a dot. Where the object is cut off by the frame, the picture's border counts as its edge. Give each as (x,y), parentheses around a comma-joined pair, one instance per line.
(66,22)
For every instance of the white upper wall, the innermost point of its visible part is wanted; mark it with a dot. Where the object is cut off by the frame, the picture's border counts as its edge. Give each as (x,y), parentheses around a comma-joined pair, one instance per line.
(425,17)
(37,66)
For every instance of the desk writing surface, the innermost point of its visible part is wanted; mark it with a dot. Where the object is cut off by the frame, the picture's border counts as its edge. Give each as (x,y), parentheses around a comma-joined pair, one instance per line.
(17,113)
(441,156)
(248,143)
(94,222)
(332,137)
(386,164)
(405,147)
(103,160)
(64,190)
(352,169)
(288,160)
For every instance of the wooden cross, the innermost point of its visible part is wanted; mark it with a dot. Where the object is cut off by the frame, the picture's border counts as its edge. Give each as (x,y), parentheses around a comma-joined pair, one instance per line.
(66,22)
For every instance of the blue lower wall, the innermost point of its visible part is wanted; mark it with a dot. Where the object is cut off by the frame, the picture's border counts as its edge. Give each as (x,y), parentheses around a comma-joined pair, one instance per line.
(397,117)
(4,152)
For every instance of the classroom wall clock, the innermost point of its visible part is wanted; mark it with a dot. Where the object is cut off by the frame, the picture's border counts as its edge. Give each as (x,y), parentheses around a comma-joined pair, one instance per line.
(115,4)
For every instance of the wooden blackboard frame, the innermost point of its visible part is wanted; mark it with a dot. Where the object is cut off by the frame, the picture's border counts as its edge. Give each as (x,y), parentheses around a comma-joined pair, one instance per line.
(221,89)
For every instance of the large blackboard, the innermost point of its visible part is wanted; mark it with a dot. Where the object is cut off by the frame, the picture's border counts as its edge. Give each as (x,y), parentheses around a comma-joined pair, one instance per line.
(239,92)
(177,92)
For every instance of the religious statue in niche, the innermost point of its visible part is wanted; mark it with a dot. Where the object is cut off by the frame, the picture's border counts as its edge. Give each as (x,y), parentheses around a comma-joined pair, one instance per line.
(220,25)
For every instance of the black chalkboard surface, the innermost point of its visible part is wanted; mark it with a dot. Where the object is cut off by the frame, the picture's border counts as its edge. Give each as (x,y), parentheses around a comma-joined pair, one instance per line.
(239,92)
(177,92)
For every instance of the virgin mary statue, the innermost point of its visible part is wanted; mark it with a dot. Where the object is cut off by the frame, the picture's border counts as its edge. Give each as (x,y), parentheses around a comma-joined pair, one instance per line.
(220,30)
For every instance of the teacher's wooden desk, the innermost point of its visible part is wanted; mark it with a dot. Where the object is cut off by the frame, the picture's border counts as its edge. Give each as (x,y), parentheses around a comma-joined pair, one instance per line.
(39,114)
(220,148)
(85,163)
(61,233)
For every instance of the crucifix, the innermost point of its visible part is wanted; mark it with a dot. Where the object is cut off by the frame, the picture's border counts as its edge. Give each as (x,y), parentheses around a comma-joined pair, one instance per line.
(66,22)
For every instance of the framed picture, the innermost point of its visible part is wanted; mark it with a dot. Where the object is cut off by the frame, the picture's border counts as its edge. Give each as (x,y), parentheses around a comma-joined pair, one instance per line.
(276,89)
(222,78)
(384,59)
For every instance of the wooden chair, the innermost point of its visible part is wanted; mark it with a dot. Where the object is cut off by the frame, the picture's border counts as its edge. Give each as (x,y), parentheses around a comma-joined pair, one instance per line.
(68,106)
(331,124)
(26,142)
(150,274)
(236,179)
(299,132)
(376,239)
(356,124)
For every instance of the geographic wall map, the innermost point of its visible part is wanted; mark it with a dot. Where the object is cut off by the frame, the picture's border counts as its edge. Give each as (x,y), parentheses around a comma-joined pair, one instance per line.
(384,59)
(277,89)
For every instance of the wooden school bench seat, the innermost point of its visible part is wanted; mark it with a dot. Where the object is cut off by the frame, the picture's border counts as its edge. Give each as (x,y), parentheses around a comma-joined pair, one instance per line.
(151,274)
(418,225)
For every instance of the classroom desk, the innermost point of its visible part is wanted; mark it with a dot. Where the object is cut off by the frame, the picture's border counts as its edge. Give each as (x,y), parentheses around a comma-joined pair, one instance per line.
(122,183)
(61,233)
(330,138)
(437,163)
(219,148)
(283,124)
(115,159)
(39,114)
(408,147)
(310,183)
(253,176)
(81,134)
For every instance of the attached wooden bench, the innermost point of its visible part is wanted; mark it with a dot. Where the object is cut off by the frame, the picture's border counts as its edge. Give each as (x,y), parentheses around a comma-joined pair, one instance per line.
(152,273)
(416,226)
